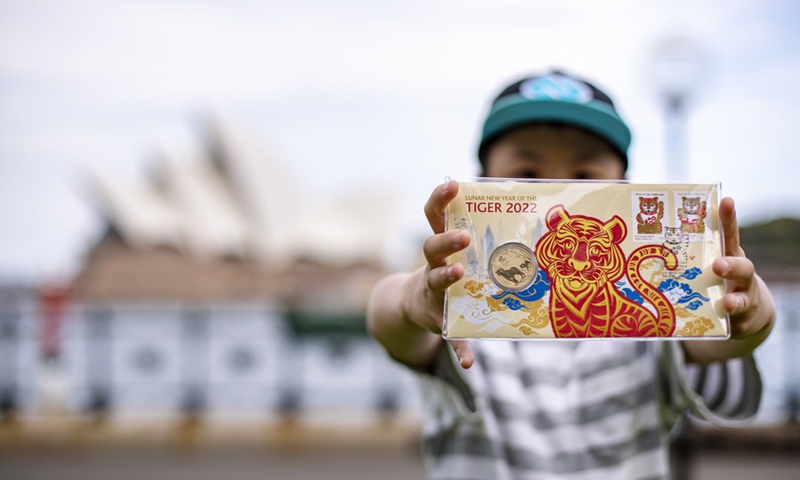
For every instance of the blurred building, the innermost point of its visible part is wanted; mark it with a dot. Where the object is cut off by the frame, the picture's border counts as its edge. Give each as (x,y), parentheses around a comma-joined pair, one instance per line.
(219,287)
(770,443)
(774,249)
(19,352)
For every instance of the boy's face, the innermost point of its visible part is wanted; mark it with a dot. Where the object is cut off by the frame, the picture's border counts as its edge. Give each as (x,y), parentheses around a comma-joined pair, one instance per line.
(552,151)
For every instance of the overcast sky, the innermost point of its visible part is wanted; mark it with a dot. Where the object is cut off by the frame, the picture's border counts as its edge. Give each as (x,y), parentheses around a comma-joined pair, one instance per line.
(363,94)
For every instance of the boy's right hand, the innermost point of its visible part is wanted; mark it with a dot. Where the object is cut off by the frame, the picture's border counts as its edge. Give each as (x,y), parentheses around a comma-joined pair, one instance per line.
(426,304)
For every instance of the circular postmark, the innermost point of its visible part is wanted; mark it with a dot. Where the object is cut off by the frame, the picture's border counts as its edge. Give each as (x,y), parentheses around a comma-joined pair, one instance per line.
(512,266)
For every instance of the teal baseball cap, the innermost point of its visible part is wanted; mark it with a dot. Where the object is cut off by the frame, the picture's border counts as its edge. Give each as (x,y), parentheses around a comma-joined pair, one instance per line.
(556,98)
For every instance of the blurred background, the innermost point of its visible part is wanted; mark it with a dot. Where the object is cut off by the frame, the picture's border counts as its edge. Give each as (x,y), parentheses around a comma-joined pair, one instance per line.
(196,198)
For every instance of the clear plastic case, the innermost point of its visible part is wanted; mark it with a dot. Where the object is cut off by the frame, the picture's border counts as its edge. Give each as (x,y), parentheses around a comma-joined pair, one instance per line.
(586,259)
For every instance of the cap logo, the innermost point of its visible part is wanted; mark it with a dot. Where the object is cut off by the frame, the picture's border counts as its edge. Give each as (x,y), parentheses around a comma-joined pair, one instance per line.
(556,87)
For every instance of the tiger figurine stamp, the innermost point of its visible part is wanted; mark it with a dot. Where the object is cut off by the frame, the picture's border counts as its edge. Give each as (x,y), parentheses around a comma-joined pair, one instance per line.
(586,259)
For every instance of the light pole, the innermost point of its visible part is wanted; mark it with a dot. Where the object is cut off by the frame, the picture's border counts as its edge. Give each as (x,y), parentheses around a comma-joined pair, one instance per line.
(677,65)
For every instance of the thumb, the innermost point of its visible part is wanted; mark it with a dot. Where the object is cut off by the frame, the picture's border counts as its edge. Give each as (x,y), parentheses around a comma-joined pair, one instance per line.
(463,351)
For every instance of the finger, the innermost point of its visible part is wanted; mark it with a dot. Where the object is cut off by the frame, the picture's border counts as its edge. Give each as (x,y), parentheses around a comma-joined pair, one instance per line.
(441,278)
(437,203)
(736,303)
(463,352)
(739,271)
(730,227)
(739,305)
(438,247)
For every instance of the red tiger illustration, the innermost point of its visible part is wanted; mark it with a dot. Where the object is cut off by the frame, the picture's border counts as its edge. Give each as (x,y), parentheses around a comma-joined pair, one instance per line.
(583,258)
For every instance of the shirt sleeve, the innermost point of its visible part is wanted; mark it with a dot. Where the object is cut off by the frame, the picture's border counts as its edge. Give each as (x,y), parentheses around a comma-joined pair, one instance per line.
(447,396)
(725,394)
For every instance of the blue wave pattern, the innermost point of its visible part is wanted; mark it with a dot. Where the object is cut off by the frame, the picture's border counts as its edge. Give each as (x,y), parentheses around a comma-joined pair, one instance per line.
(534,292)
(541,285)
(687,295)
(694,305)
(629,293)
(514,304)
(691,274)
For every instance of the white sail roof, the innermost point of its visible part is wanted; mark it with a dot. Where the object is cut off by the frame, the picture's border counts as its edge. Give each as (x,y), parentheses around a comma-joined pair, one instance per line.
(232,200)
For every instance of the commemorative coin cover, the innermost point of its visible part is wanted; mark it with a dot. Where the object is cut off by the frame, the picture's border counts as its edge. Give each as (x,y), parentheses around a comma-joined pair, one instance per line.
(586,259)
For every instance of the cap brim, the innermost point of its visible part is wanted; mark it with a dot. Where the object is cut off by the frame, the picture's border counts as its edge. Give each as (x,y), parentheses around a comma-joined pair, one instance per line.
(593,116)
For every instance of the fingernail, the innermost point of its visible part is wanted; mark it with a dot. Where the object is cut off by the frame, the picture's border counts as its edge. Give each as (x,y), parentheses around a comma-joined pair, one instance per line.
(448,273)
(727,266)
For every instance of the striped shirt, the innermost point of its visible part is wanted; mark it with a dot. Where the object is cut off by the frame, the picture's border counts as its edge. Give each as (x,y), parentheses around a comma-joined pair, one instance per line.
(571,410)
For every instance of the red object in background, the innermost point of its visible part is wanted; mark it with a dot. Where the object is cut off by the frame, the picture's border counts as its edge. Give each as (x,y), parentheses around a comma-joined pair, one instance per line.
(52,304)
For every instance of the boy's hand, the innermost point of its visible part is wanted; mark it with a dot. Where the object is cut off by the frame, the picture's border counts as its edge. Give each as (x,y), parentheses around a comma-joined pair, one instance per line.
(426,304)
(747,301)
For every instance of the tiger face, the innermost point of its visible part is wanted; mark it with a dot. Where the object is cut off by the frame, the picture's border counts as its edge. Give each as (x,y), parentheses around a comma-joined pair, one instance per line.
(648,205)
(581,253)
(673,235)
(691,205)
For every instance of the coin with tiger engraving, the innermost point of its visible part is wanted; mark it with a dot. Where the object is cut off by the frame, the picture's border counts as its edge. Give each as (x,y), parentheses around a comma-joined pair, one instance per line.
(512,266)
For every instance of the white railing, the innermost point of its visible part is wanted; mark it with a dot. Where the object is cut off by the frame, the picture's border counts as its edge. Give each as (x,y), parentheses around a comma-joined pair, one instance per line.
(172,359)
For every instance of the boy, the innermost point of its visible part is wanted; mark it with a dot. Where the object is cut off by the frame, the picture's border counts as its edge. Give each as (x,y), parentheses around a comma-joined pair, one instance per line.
(561,409)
